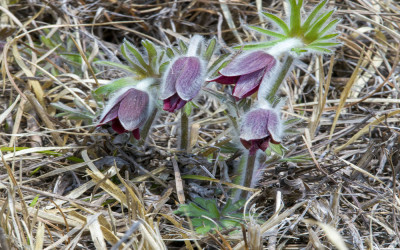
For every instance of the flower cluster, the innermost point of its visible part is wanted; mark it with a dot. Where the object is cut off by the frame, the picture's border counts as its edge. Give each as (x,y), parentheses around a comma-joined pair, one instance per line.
(180,76)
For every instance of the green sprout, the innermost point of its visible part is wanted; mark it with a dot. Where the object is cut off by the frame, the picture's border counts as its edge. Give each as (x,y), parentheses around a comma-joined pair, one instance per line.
(314,32)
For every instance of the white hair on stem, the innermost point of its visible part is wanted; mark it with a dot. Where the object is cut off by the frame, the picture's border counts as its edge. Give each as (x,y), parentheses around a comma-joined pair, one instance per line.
(266,85)
(285,47)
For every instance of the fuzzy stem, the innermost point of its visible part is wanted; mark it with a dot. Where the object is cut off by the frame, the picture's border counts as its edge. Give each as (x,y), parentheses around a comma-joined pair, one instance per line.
(248,173)
(147,126)
(281,77)
(184,131)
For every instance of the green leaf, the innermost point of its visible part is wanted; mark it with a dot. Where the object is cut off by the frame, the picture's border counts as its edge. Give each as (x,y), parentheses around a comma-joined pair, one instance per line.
(267,32)
(191,210)
(213,209)
(229,223)
(76,116)
(46,152)
(198,177)
(328,27)
(259,45)
(188,108)
(277,148)
(62,106)
(327,37)
(278,21)
(210,49)
(206,214)
(203,225)
(163,67)
(47,42)
(232,207)
(117,65)
(298,158)
(319,49)
(183,47)
(295,17)
(229,147)
(116,85)
(299,50)
(131,48)
(136,68)
(292,121)
(217,62)
(5,149)
(312,15)
(73,58)
(170,53)
(201,201)
(312,33)
(34,201)
(151,53)
(161,57)
(321,44)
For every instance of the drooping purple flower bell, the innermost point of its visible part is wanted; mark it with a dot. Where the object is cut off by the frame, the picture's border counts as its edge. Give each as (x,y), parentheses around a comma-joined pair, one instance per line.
(182,82)
(247,72)
(127,111)
(259,128)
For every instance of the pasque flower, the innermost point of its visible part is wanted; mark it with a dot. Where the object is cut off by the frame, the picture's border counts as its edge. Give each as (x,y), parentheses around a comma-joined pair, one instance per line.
(182,82)
(127,111)
(247,72)
(183,79)
(259,128)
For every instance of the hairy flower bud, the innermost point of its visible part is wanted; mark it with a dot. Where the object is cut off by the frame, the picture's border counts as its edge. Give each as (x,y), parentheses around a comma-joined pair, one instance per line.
(182,83)
(260,127)
(127,111)
(247,72)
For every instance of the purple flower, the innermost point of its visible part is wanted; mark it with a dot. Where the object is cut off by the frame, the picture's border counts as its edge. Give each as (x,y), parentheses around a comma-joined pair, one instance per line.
(182,83)
(259,128)
(247,72)
(127,111)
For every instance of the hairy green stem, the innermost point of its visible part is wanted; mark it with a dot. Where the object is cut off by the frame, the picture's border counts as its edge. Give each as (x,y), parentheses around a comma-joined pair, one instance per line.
(244,174)
(147,126)
(184,131)
(281,77)
(248,173)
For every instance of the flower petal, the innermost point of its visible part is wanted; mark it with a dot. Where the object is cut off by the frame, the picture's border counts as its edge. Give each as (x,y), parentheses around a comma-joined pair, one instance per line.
(168,87)
(225,79)
(110,115)
(260,124)
(245,143)
(249,63)
(136,134)
(248,84)
(117,126)
(133,109)
(190,79)
(264,143)
(173,103)
(110,111)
